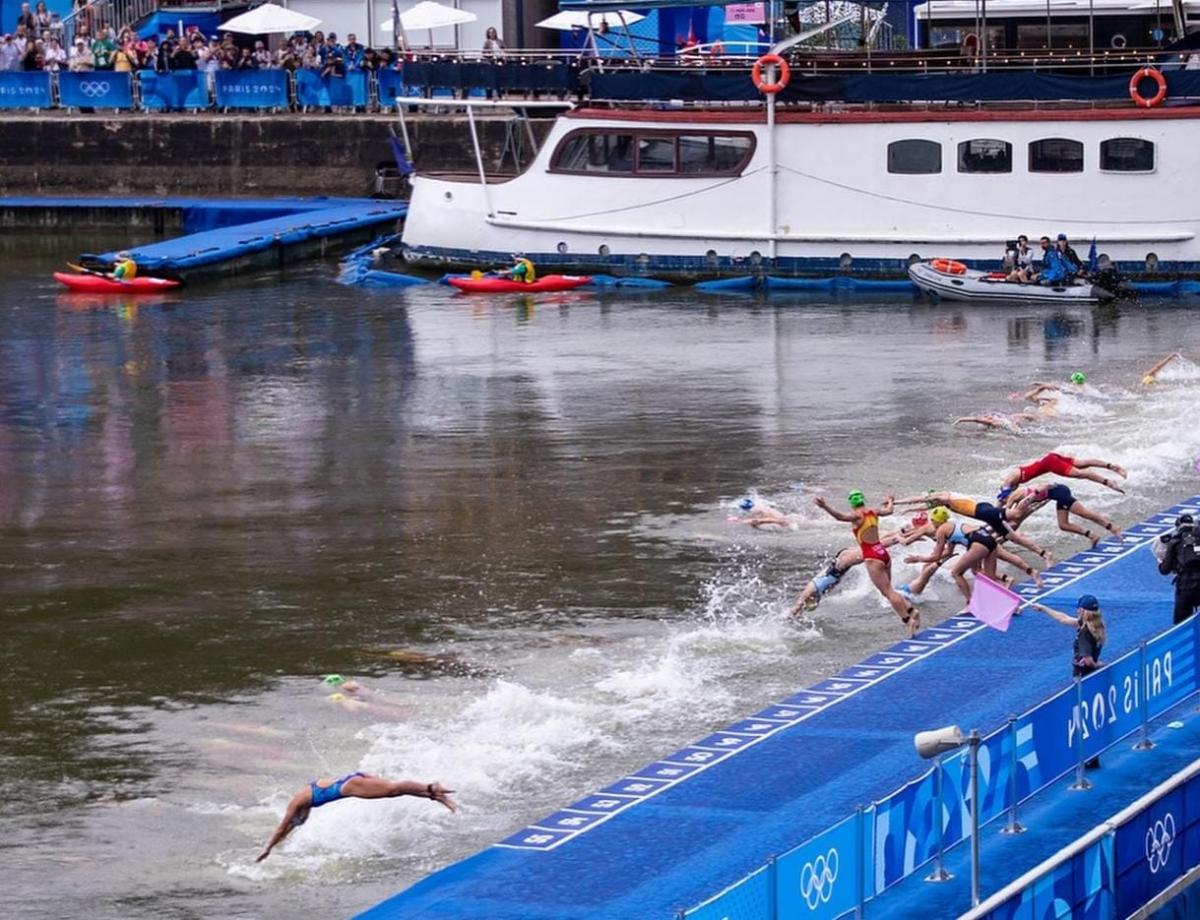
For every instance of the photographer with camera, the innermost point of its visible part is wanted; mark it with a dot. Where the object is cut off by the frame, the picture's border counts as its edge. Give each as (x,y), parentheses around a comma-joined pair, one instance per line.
(1179,555)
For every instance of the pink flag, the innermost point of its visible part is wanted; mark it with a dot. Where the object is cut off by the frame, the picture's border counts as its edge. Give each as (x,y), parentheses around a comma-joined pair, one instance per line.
(992,603)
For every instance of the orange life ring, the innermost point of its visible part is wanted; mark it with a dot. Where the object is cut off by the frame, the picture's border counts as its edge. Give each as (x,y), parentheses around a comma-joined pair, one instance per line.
(785,74)
(1147,73)
(948,267)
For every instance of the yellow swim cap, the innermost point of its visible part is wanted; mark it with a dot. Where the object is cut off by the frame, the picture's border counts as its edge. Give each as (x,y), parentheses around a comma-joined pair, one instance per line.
(940,514)
(1147,381)
(337,697)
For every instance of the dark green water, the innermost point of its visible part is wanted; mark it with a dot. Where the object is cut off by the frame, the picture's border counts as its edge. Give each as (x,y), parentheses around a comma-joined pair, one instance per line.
(506,517)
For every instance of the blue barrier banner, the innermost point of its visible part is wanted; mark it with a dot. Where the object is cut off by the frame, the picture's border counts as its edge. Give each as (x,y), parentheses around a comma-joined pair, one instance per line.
(749,899)
(907,825)
(1080,888)
(98,89)
(252,89)
(1150,848)
(315,90)
(818,878)
(179,89)
(392,87)
(25,89)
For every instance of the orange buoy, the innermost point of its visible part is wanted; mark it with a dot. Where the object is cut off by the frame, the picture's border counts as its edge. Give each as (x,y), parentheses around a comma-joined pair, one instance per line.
(785,74)
(948,267)
(1135,92)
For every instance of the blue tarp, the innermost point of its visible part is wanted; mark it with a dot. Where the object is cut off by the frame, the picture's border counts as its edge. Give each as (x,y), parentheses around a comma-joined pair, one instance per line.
(24,90)
(392,86)
(252,89)
(179,89)
(314,90)
(99,89)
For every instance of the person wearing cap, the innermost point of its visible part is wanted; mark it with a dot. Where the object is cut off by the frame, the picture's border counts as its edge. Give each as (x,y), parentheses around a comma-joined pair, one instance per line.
(1063,245)
(948,535)
(864,521)
(1181,559)
(1056,270)
(81,58)
(124,269)
(357,785)
(1151,376)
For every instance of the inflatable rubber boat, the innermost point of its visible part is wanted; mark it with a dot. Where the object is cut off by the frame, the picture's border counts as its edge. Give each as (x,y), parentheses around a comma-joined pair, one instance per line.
(954,281)
(102,284)
(496,284)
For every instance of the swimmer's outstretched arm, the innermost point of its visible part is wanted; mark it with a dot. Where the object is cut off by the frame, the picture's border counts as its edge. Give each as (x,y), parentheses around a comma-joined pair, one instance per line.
(985,421)
(888,506)
(1161,364)
(930,499)
(299,802)
(833,512)
(939,551)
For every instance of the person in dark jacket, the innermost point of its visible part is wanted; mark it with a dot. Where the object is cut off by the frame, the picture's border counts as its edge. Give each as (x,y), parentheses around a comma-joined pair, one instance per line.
(1076,266)
(1181,558)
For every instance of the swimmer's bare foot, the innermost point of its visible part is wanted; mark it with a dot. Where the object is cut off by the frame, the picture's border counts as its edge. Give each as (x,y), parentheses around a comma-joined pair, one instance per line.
(913,621)
(1112,485)
(1094,538)
(1037,579)
(1116,532)
(1118,469)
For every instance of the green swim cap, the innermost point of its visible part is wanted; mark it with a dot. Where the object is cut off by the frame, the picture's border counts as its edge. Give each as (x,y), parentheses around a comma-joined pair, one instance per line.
(335,680)
(856,498)
(1078,377)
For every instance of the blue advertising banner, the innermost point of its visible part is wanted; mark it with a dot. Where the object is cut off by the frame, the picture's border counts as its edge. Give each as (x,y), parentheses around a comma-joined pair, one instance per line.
(1080,888)
(252,89)
(1150,850)
(749,899)
(25,89)
(314,90)
(819,878)
(179,89)
(97,89)
(907,825)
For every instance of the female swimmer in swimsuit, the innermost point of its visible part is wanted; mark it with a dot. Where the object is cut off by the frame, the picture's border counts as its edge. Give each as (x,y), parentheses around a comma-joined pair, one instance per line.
(865,523)
(948,537)
(1061,465)
(351,786)
(1025,501)
(1003,523)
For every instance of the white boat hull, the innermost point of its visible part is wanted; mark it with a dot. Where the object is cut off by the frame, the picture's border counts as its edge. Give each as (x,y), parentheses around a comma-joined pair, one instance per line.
(978,286)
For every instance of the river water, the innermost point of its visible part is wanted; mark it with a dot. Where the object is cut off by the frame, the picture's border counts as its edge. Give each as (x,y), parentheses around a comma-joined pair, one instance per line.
(507,518)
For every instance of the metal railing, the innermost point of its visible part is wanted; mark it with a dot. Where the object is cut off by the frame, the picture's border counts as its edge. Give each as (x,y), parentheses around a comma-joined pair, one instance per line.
(105,14)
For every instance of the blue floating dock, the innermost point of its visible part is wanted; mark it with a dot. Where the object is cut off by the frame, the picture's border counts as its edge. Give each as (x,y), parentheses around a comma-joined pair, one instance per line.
(684,828)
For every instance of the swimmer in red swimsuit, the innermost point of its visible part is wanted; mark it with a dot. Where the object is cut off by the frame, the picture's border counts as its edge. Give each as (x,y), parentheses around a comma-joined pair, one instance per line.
(865,522)
(1056,464)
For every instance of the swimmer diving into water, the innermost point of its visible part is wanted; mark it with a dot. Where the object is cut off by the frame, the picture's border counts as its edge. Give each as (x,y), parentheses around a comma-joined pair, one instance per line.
(1001,522)
(948,536)
(353,785)
(1026,501)
(1061,465)
(865,523)
(834,570)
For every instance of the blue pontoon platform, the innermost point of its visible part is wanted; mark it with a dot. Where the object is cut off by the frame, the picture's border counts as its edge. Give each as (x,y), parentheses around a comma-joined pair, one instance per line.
(686,827)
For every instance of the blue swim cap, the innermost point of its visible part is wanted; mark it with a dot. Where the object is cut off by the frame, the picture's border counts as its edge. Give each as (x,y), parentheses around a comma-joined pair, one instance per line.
(1004,493)
(746,504)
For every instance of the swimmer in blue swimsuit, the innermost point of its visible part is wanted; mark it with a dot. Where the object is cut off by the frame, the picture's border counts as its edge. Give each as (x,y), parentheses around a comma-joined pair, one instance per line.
(948,537)
(351,786)
(1066,504)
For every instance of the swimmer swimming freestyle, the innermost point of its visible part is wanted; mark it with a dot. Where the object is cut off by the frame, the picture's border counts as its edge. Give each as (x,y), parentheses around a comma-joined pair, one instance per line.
(865,523)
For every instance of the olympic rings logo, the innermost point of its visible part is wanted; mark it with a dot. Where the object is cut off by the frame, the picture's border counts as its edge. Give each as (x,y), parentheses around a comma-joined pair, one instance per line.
(1159,838)
(94,90)
(817,879)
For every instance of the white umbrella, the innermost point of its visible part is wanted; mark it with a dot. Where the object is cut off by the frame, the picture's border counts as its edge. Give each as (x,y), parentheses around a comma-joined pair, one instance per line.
(578,19)
(429,16)
(269,19)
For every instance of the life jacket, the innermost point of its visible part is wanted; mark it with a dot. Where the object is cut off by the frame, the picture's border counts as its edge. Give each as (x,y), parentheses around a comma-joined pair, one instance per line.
(130,269)
(530,275)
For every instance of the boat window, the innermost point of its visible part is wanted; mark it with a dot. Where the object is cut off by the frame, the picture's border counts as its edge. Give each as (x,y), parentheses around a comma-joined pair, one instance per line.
(595,153)
(985,156)
(653,153)
(1127,154)
(1062,35)
(656,154)
(1056,155)
(914,157)
(712,153)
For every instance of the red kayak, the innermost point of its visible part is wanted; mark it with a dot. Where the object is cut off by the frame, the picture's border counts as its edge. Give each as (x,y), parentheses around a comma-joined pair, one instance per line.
(100,284)
(494,284)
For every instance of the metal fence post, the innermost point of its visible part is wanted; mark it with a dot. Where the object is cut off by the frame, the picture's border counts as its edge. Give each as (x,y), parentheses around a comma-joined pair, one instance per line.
(973,741)
(1013,826)
(772,879)
(1143,743)
(939,873)
(859,869)
(1081,782)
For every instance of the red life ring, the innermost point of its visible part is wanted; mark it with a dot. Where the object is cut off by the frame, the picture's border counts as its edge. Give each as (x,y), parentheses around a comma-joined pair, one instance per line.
(785,74)
(948,267)
(1147,73)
